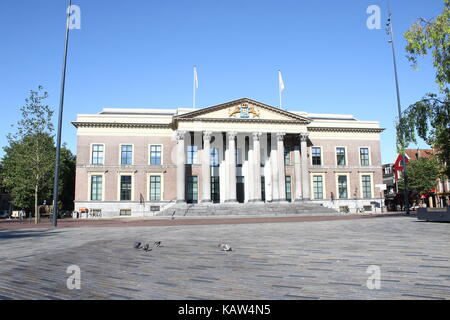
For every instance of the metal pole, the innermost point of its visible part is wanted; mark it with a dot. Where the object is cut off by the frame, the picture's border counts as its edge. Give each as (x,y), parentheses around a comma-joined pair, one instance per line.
(390,32)
(60,118)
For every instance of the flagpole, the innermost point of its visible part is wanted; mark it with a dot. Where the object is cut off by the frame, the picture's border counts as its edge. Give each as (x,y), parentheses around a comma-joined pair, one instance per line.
(60,118)
(193,100)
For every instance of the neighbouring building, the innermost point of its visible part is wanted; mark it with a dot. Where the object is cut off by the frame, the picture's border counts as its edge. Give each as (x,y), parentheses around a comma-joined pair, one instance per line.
(391,187)
(135,162)
(439,196)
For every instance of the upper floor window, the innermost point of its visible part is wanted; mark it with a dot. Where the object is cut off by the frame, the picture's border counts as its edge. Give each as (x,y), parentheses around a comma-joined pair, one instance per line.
(126,154)
(192,154)
(340,156)
(214,157)
(155,154)
(97,153)
(364,156)
(316,156)
(238,155)
(387,170)
(287,155)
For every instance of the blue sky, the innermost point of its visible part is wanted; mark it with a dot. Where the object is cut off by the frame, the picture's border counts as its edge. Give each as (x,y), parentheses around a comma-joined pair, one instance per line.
(140,53)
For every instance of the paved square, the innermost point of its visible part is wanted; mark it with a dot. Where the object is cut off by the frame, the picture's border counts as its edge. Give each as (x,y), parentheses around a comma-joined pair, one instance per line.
(303,260)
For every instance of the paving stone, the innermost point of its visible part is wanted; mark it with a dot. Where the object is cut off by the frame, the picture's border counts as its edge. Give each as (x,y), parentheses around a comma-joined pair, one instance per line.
(301,260)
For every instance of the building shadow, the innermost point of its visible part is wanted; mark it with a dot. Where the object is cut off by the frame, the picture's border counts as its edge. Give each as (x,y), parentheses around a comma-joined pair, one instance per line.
(19,234)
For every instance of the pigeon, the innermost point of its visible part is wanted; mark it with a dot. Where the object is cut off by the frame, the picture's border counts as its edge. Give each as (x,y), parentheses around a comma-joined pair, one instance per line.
(225,247)
(137,245)
(158,244)
(147,247)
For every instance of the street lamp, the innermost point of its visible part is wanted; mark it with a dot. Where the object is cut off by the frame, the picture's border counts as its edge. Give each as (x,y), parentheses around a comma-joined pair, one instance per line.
(60,118)
(391,41)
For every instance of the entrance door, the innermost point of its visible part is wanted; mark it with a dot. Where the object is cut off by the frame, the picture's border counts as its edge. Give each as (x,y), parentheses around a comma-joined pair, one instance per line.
(192,189)
(263,189)
(215,190)
(240,189)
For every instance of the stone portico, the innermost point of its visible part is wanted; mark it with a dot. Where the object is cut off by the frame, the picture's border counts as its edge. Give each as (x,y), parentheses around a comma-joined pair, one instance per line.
(242,151)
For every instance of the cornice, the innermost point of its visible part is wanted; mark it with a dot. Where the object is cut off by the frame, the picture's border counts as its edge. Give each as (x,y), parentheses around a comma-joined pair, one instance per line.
(345,129)
(119,125)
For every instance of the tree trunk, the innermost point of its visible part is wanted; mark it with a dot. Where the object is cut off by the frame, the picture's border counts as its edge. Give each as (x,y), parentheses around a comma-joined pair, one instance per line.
(36,209)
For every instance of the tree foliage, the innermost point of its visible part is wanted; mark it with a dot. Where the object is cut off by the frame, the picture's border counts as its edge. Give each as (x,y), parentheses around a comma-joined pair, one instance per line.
(29,158)
(423,174)
(429,118)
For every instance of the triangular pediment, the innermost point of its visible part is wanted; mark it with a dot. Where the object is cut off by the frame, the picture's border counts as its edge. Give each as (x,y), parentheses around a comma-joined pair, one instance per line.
(243,110)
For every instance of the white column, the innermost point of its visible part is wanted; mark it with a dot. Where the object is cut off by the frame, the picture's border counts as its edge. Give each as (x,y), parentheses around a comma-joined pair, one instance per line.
(231,167)
(304,161)
(281,167)
(250,180)
(257,166)
(181,168)
(274,167)
(298,175)
(206,167)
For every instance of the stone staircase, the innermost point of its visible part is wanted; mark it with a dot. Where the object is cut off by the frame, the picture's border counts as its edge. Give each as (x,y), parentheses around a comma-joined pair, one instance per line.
(249,209)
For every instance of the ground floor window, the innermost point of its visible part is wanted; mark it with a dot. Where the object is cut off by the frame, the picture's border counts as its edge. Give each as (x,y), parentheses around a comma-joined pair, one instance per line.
(96,188)
(192,189)
(342,186)
(125,188)
(125,212)
(288,189)
(366,187)
(155,188)
(318,187)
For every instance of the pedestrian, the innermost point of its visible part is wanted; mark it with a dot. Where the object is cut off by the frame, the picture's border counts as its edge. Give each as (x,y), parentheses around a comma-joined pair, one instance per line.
(21,214)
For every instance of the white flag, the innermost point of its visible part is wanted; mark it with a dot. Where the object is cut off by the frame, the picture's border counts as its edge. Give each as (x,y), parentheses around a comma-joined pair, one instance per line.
(280,79)
(195,77)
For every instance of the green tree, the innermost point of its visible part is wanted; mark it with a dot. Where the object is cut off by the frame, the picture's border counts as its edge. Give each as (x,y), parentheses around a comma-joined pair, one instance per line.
(430,117)
(29,157)
(423,174)
(67,178)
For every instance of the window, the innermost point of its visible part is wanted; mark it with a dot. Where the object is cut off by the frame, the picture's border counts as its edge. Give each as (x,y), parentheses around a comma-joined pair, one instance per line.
(318,187)
(237,153)
(287,155)
(364,156)
(191,154)
(192,189)
(155,188)
(125,188)
(125,212)
(97,154)
(288,189)
(388,170)
(366,187)
(155,154)
(342,187)
(340,156)
(214,157)
(126,155)
(316,156)
(96,188)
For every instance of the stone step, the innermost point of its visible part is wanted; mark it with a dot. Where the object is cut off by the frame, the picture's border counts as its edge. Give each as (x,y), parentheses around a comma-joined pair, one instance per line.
(294,208)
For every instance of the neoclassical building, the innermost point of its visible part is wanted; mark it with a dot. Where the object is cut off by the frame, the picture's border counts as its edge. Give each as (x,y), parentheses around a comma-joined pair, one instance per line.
(140,161)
